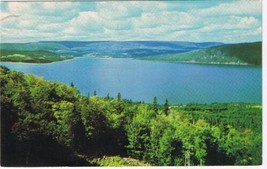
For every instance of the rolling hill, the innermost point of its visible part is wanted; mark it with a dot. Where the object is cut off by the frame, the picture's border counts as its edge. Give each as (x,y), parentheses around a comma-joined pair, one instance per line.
(116,49)
(38,56)
(244,53)
(173,51)
(132,49)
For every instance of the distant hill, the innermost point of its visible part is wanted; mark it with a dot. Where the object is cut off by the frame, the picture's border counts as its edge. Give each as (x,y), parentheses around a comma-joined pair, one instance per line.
(33,46)
(38,56)
(125,49)
(132,49)
(205,52)
(244,53)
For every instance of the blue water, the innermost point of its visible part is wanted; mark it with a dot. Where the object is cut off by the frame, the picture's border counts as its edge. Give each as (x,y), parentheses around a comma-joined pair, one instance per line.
(142,80)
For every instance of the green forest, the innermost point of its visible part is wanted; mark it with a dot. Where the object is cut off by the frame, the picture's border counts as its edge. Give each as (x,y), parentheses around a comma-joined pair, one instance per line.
(47,123)
(38,56)
(244,53)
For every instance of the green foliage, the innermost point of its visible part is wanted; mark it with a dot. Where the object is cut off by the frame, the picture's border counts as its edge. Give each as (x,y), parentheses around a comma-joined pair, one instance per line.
(245,53)
(240,116)
(138,136)
(41,121)
(33,46)
(166,107)
(38,56)
(155,105)
(117,161)
(119,97)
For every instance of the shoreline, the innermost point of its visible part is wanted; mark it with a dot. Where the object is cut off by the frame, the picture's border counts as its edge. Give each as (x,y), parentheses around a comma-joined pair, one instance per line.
(199,63)
(41,63)
(140,59)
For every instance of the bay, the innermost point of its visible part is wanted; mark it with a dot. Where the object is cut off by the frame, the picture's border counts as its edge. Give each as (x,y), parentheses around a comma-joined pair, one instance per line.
(142,80)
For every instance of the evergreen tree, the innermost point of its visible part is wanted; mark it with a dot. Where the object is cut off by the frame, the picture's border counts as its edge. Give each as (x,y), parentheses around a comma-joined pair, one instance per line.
(77,129)
(155,105)
(166,107)
(71,84)
(108,97)
(119,97)
(95,93)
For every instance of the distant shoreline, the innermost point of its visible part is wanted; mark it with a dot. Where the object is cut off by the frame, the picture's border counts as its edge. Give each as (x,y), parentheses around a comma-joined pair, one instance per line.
(153,60)
(201,63)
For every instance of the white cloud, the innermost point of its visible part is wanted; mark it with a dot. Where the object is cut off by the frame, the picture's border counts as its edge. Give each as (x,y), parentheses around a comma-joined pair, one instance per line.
(230,23)
(3,14)
(26,24)
(59,6)
(248,22)
(133,20)
(57,9)
(51,27)
(19,8)
(118,25)
(90,21)
(259,30)
(70,30)
(118,10)
(150,20)
(233,8)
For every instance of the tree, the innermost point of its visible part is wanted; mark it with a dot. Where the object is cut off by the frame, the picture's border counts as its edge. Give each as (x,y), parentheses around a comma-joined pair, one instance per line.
(166,107)
(71,84)
(119,97)
(138,132)
(77,129)
(166,148)
(63,112)
(95,93)
(155,105)
(108,97)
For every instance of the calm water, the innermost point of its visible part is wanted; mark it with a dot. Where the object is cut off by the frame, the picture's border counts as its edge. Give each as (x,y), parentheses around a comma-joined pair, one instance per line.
(142,80)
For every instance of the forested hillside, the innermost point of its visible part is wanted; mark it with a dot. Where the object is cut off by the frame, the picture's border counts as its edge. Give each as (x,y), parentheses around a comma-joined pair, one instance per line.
(39,56)
(52,124)
(49,51)
(244,53)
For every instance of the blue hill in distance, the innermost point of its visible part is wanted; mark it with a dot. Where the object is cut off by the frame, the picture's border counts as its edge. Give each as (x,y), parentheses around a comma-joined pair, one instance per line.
(171,51)
(131,49)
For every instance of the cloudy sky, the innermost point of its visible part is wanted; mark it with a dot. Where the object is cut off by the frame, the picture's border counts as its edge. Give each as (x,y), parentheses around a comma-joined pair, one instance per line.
(222,21)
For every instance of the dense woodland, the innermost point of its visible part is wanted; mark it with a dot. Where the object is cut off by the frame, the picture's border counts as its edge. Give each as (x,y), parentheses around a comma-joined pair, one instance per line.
(243,53)
(38,56)
(52,124)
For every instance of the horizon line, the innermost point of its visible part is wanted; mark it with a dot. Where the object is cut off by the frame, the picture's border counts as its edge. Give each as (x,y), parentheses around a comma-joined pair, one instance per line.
(130,41)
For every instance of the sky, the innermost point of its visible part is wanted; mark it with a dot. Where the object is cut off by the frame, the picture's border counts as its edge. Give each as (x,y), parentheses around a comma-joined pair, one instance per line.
(228,21)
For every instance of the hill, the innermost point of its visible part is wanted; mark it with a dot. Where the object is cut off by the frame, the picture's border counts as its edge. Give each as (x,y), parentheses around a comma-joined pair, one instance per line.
(33,46)
(132,49)
(205,52)
(127,49)
(37,56)
(244,53)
